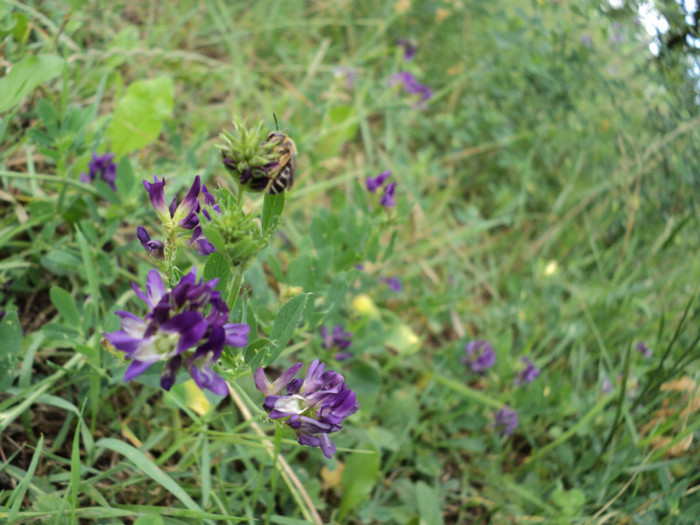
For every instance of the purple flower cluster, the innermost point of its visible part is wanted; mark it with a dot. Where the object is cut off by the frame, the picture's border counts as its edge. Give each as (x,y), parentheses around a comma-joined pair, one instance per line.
(644,350)
(373,184)
(340,339)
(412,87)
(102,166)
(313,407)
(480,356)
(393,282)
(506,420)
(184,326)
(527,374)
(409,48)
(183,215)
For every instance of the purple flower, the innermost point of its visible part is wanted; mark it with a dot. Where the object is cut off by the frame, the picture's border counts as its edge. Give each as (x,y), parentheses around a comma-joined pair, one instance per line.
(350,74)
(527,374)
(313,407)
(338,339)
(102,166)
(343,356)
(412,87)
(409,48)
(185,213)
(393,282)
(480,356)
(387,198)
(2,314)
(506,420)
(644,350)
(373,184)
(186,325)
(154,248)
(605,385)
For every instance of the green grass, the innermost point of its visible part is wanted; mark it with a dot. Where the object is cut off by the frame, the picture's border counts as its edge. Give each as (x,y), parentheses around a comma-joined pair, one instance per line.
(547,201)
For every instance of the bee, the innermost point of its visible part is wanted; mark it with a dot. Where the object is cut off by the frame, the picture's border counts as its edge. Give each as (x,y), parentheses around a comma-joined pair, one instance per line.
(282,174)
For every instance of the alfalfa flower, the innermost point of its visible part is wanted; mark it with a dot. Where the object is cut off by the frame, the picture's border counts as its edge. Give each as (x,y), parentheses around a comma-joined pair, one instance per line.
(409,48)
(314,407)
(393,282)
(644,350)
(480,356)
(527,374)
(183,215)
(155,248)
(101,166)
(412,87)
(387,198)
(506,420)
(184,326)
(374,183)
(339,339)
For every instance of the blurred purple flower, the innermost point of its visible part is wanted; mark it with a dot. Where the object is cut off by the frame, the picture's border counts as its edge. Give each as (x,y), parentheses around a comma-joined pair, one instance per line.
(528,374)
(586,40)
(102,166)
(343,356)
(2,314)
(506,420)
(644,350)
(480,356)
(387,198)
(349,73)
(373,184)
(409,48)
(360,266)
(412,87)
(154,248)
(184,326)
(393,282)
(313,407)
(338,339)
(605,385)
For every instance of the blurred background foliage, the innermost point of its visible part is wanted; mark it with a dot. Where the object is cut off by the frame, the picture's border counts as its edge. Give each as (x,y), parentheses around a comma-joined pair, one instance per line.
(547,202)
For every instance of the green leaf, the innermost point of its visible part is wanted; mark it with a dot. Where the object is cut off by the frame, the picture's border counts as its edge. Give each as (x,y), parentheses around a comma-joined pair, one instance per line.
(273,206)
(11,337)
(569,501)
(149,468)
(65,305)
(25,76)
(139,115)
(217,267)
(286,322)
(60,332)
(360,475)
(149,519)
(428,504)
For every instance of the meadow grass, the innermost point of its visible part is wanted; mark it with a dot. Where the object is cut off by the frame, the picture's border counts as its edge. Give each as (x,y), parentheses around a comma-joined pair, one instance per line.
(546,203)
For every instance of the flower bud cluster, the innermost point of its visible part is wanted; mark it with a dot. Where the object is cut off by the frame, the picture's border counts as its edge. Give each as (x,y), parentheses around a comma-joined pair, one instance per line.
(247,156)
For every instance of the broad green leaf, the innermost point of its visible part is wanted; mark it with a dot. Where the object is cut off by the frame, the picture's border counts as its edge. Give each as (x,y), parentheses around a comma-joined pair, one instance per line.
(273,206)
(61,332)
(287,320)
(11,337)
(65,305)
(217,267)
(25,76)
(140,114)
(428,504)
(360,475)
